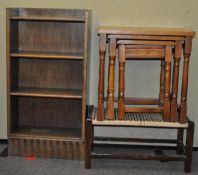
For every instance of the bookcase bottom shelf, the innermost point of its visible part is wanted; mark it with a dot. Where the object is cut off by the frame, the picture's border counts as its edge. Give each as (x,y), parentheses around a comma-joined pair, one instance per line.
(48,132)
(46,148)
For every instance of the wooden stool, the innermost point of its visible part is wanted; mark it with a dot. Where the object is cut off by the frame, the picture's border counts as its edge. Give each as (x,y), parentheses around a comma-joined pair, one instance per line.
(184,151)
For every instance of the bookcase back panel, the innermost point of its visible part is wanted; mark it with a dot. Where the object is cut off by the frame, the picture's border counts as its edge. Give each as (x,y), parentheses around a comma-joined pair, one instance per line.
(42,73)
(46,112)
(36,36)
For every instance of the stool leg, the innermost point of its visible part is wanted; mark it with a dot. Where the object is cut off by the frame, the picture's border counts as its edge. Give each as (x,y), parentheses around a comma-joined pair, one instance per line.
(121,85)
(189,147)
(88,143)
(180,137)
(167,78)
(111,74)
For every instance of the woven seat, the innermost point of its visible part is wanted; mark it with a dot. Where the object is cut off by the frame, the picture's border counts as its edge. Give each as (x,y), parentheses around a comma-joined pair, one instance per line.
(143,119)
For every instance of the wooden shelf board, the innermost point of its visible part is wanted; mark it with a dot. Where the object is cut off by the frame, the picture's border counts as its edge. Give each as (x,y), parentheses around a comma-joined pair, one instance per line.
(47,55)
(47,18)
(47,132)
(48,92)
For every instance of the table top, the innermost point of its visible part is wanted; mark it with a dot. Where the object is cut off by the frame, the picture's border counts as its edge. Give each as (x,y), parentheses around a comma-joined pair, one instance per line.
(145,31)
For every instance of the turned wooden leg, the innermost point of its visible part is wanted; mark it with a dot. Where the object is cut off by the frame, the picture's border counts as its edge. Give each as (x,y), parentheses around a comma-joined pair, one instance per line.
(102,51)
(180,137)
(189,147)
(167,78)
(175,80)
(121,86)
(111,74)
(161,95)
(187,51)
(88,143)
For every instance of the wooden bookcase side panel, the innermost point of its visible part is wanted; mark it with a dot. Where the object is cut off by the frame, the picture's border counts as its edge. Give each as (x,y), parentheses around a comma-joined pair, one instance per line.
(86,63)
(9,33)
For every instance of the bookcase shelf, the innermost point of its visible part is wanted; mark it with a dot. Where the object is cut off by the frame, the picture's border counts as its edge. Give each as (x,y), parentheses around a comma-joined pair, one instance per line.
(46,92)
(47,58)
(66,133)
(47,55)
(47,18)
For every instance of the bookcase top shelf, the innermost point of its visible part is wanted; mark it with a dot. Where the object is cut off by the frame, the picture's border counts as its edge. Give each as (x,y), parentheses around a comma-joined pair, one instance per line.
(47,18)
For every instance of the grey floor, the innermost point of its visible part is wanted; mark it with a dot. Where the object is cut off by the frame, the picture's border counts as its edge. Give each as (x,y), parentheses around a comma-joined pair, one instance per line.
(20,166)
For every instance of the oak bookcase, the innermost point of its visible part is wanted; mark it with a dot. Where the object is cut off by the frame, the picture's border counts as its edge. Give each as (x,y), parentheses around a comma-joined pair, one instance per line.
(47,62)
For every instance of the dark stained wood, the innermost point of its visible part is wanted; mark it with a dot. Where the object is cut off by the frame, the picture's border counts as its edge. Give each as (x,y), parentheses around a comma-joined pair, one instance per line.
(111,77)
(8,46)
(45,148)
(189,147)
(53,73)
(175,81)
(86,69)
(185,156)
(47,18)
(43,12)
(180,138)
(138,157)
(88,144)
(57,132)
(187,52)
(49,112)
(121,85)
(102,52)
(139,140)
(4,153)
(53,32)
(47,58)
